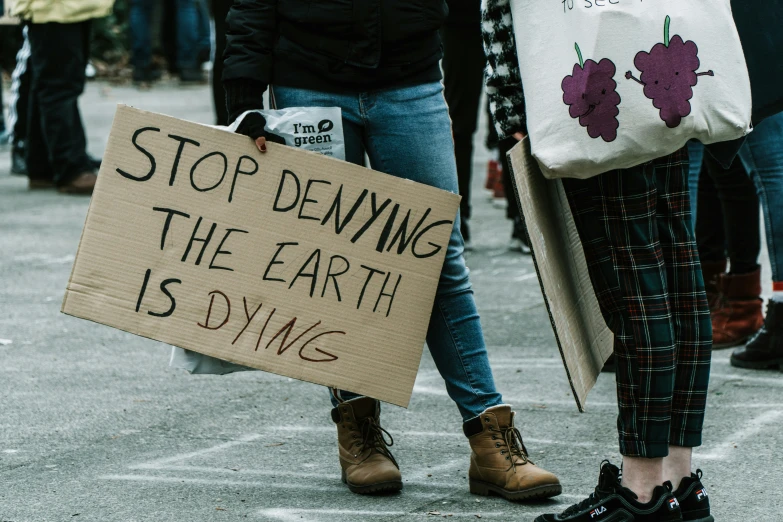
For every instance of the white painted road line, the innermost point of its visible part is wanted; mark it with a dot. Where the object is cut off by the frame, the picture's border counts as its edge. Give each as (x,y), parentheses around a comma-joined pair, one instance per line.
(265,485)
(184,456)
(287,514)
(751,429)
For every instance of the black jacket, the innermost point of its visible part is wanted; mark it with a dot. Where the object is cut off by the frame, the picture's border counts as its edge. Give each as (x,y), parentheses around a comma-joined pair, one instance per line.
(329,45)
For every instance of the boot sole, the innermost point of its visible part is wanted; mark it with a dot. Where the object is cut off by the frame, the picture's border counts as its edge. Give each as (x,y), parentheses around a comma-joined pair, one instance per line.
(705,519)
(484,489)
(731,344)
(391,486)
(757,365)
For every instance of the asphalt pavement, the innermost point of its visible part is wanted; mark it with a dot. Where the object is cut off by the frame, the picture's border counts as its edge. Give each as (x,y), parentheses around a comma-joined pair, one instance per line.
(94,426)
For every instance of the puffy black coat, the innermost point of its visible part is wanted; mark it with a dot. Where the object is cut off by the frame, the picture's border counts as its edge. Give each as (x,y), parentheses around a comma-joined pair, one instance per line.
(333,45)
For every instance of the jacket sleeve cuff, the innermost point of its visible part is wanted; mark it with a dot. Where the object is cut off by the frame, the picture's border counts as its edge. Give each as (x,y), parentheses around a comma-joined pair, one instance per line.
(243,95)
(508,111)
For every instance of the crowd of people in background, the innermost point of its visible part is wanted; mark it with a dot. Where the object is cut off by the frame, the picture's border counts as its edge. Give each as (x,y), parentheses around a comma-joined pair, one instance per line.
(48,60)
(723,241)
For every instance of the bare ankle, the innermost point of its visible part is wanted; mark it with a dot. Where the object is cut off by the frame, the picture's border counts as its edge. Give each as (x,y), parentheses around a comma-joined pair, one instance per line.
(642,475)
(677,465)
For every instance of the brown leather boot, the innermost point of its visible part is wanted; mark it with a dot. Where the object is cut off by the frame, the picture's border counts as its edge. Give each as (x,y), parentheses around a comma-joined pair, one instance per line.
(84,183)
(499,462)
(712,270)
(367,464)
(738,316)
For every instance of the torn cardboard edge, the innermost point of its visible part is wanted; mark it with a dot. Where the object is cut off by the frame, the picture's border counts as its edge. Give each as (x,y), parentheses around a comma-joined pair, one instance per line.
(583,338)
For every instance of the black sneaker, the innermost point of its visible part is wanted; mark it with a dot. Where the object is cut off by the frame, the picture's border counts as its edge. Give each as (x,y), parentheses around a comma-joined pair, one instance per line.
(765,350)
(693,499)
(612,502)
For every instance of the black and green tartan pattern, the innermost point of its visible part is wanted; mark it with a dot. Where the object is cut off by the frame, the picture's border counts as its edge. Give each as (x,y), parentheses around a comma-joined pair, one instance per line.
(635,227)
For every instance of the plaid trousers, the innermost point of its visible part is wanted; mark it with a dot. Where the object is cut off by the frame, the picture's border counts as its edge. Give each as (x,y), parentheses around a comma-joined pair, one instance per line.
(635,228)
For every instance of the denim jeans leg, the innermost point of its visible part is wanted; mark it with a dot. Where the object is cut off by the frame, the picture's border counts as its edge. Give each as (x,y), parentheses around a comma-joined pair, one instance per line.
(140,19)
(353,133)
(187,34)
(204,29)
(695,156)
(762,156)
(408,134)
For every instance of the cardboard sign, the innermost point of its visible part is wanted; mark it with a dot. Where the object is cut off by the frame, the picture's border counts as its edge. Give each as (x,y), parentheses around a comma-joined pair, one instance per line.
(584,340)
(289,261)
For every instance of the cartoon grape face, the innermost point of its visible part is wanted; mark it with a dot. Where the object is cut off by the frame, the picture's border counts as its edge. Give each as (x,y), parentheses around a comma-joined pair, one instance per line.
(591,94)
(668,75)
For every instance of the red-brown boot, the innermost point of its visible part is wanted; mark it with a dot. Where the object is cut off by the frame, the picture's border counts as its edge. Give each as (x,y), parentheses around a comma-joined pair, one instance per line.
(712,270)
(738,316)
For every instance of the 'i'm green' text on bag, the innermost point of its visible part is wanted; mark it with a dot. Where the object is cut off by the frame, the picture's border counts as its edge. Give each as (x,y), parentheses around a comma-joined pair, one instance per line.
(615,83)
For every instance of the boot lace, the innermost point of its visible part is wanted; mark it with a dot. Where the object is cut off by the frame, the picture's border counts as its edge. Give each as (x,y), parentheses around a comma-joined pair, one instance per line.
(516,448)
(374,439)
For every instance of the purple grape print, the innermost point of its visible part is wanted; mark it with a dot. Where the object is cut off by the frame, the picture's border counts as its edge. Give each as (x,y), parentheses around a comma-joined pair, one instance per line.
(668,75)
(591,95)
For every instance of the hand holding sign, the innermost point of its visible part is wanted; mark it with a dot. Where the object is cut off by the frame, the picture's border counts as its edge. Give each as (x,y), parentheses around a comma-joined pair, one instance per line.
(252,125)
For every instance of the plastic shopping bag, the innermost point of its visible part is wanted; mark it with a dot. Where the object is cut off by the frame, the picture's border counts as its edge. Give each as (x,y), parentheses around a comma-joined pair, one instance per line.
(317,129)
(615,83)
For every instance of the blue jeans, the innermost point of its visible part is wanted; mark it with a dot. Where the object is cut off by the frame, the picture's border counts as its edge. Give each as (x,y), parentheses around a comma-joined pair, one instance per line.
(140,20)
(406,132)
(695,156)
(762,157)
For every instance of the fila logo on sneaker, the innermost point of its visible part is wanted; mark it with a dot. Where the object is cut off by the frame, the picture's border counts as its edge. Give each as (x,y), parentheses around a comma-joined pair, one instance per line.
(597,512)
(673,504)
(701,494)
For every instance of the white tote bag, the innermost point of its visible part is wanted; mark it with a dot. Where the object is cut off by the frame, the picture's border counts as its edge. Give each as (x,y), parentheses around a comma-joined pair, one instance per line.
(615,83)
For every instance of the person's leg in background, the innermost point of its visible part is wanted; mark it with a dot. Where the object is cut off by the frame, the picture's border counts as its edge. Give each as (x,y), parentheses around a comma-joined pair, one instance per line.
(203,31)
(58,60)
(3,134)
(695,156)
(39,169)
(762,156)
(403,132)
(491,142)
(728,224)
(187,42)
(140,23)
(710,233)
(463,78)
(165,32)
(519,240)
(18,106)
(220,10)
